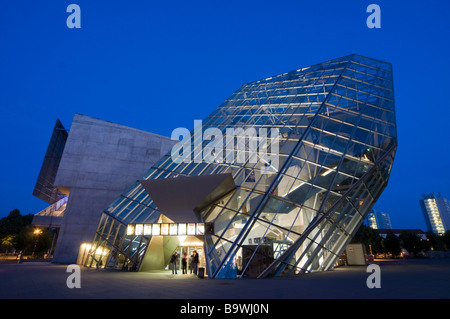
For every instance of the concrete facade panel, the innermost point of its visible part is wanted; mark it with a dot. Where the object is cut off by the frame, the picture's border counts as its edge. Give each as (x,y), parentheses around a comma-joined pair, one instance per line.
(100,161)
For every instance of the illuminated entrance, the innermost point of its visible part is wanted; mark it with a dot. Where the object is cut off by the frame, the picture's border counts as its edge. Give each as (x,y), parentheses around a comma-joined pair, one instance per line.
(146,242)
(166,238)
(161,249)
(154,248)
(180,227)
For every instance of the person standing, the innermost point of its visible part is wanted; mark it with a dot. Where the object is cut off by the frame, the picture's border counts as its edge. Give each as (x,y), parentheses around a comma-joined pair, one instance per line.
(184,263)
(173,262)
(191,265)
(195,261)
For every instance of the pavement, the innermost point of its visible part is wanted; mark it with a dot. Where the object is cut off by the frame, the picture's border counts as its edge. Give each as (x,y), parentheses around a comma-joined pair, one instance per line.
(400,279)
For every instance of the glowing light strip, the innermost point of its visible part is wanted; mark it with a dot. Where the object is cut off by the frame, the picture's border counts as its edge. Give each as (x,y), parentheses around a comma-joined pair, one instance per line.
(166,229)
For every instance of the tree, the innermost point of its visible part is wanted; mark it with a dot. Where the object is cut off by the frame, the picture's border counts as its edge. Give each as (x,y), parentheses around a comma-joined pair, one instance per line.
(28,241)
(412,242)
(14,223)
(436,241)
(391,244)
(8,242)
(446,239)
(10,228)
(17,231)
(370,238)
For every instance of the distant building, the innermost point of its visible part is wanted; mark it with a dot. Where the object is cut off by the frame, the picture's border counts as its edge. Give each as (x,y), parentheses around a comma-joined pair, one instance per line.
(378,220)
(436,211)
(383,232)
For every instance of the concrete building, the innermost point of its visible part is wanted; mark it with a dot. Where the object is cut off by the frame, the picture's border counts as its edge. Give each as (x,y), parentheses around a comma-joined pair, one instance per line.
(436,211)
(95,163)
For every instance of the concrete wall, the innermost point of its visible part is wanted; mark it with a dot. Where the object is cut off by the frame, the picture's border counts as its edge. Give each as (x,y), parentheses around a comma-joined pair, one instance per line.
(159,251)
(356,255)
(101,160)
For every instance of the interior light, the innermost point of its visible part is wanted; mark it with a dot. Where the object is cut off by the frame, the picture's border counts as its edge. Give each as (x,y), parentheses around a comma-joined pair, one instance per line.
(329,170)
(293,189)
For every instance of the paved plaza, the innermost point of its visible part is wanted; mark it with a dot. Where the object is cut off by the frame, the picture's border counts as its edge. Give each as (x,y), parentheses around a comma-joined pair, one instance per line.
(401,279)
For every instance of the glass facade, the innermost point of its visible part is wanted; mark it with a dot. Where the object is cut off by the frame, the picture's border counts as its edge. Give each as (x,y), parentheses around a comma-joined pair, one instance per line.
(334,150)
(44,188)
(378,220)
(436,211)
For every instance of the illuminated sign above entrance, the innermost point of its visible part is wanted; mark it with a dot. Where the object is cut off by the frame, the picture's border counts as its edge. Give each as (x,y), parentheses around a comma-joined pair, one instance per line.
(172,229)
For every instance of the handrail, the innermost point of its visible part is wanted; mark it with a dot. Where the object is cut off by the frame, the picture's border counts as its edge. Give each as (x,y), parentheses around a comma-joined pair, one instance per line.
(48,211)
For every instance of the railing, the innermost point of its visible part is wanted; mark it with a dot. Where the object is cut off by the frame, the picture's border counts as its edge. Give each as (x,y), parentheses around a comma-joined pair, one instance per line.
(56,209)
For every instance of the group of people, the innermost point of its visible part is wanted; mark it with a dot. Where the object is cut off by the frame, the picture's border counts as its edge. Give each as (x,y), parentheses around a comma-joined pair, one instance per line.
(193,262)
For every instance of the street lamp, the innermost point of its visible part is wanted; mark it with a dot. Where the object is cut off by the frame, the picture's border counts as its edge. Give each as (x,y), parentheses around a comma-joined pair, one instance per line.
(37,232)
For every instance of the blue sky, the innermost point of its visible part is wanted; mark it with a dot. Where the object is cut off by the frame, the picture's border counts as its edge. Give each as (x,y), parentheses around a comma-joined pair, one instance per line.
(158,66)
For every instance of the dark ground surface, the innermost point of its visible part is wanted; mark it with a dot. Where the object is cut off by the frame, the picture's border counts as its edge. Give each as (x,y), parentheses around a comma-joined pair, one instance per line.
(400,279)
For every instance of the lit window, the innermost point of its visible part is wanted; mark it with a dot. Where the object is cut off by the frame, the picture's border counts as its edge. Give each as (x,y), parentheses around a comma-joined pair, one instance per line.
(191,229)
(200,229)
(164,229)
(147,229)
(139,230)
(130,230)
(173,229)
(182,229)
(156,229)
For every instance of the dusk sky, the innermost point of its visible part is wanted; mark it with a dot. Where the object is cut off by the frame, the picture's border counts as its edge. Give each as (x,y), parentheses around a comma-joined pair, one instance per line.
(157,66)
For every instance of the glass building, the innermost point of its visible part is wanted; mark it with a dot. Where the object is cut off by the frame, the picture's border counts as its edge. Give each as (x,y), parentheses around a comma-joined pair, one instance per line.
(436,211)
(44,188)
(306,155)
(378,220)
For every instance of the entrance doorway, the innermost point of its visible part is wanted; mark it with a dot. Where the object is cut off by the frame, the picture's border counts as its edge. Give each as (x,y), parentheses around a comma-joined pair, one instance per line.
(161,248)
(188,251)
